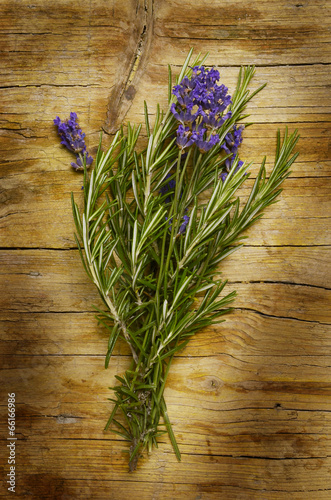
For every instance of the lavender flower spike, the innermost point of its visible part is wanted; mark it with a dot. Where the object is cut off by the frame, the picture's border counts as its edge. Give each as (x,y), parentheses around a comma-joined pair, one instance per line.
(201,104)
(231,144)
(72,138)
(170,186)
(184,224)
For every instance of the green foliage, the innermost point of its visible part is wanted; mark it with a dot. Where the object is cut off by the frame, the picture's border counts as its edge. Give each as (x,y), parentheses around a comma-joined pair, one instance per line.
(159,284)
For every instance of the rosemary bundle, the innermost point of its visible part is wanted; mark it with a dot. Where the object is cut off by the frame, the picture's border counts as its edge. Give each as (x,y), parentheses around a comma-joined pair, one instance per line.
(155,227)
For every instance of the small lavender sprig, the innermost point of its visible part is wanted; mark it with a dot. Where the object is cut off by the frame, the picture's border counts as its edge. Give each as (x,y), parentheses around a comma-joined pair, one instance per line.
(72,138)
(154,257)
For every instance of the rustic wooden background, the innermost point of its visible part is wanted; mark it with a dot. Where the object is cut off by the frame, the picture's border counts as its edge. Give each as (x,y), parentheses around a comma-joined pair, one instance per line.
(250,400)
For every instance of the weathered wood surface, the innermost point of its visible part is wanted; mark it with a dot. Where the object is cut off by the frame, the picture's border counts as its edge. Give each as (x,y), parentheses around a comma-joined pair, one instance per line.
(250,399)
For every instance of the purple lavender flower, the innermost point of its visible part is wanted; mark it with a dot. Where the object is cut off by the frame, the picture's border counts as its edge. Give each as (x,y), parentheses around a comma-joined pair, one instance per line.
(239,165)
(213,119)
(72,138)
(184,137)
(182,227)
(202,91)
(231,144)
(184,115)
(233,139)
(203,144)
(224,175)
(79,165)
(71,135)
(169,187)
(200,103)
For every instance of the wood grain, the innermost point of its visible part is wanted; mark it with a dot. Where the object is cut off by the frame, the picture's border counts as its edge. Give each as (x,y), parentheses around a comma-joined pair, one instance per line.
(250,398)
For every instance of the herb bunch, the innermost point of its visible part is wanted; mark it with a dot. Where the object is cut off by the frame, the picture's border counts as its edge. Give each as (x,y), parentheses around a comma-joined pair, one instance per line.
(152,244)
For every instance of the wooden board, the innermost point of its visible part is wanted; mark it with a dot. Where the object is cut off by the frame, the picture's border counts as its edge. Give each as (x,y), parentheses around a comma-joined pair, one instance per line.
(250,398)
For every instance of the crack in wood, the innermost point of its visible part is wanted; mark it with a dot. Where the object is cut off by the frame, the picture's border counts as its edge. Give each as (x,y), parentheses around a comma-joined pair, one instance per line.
(39,85)
(121,98)
(246,245)
(13,213)
(85,311)
(264,65)
(275,282)
(255,457)
(187,483)
(279,317)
